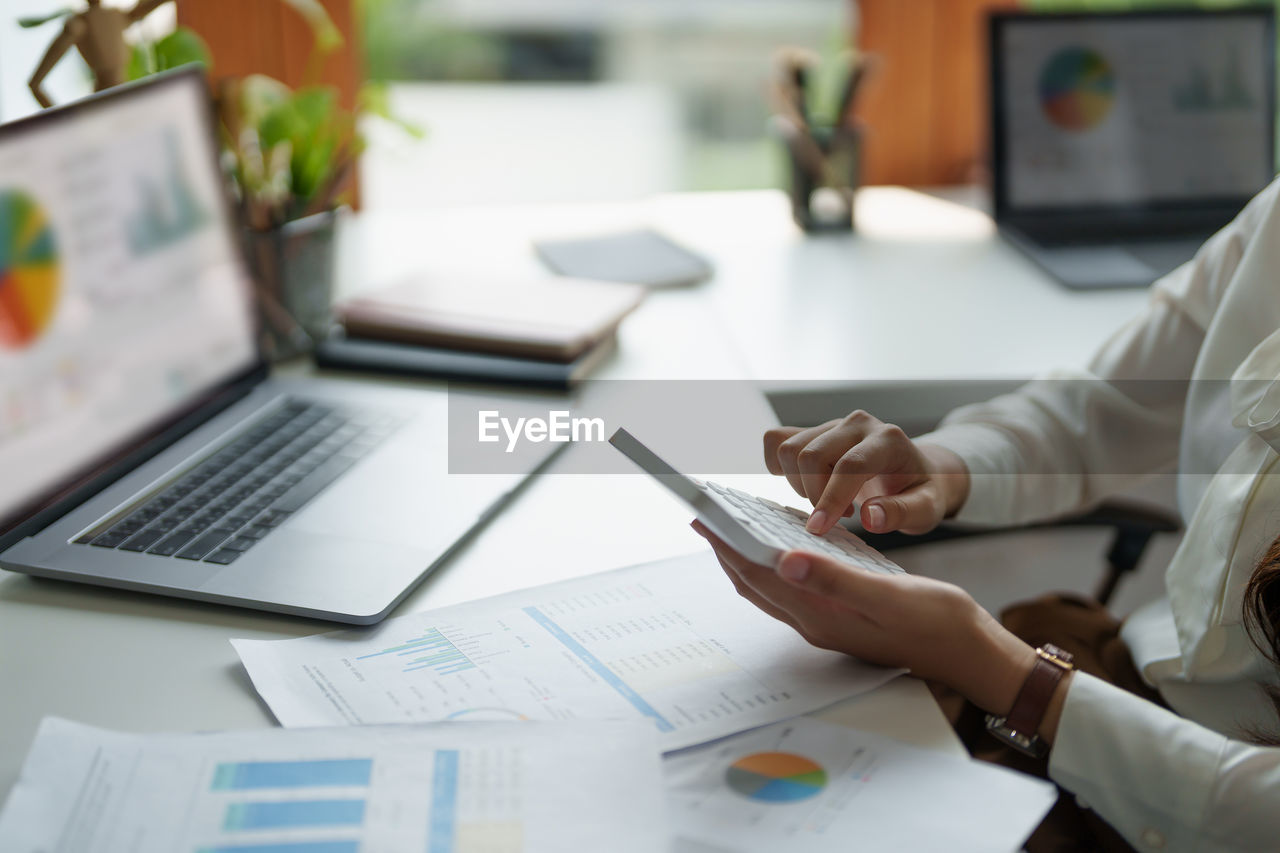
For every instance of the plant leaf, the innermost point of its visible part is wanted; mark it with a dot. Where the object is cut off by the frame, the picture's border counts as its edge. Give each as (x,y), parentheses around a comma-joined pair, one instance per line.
(41,20)
(142,62)
(375,100)
(259,96)
(328,37)
(183,46)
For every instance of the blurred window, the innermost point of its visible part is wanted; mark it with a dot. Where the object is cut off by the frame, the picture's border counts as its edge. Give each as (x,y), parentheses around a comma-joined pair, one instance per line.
(546,100)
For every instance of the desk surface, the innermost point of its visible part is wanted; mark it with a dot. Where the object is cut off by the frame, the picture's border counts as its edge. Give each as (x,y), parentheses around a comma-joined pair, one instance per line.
(925,290)
(924,278)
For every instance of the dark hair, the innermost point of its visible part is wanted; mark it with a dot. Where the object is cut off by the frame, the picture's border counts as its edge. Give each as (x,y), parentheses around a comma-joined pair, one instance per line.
(1262,620)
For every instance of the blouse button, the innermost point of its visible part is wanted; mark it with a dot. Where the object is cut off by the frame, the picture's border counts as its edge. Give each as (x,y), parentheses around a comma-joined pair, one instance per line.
(1153,838)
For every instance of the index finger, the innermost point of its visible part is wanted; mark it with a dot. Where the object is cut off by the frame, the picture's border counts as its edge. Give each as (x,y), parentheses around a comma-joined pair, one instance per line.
(772,441)
(875,455)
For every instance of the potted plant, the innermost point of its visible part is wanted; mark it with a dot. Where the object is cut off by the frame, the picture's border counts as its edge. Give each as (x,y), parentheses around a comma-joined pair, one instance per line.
(290,154)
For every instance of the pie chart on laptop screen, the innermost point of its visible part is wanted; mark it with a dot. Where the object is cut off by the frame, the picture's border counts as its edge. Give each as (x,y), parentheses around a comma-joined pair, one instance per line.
(29,272)
(1077,89)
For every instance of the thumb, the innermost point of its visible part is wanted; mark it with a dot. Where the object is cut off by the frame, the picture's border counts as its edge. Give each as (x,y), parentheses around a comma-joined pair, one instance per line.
(833,579)
(913,511)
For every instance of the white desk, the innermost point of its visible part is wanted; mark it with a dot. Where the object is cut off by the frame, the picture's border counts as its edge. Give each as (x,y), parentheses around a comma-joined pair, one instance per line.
(781,308)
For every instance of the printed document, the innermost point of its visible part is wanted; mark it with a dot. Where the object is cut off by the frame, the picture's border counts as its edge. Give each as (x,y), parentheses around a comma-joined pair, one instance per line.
(484,788)
(669,642)
(806,786)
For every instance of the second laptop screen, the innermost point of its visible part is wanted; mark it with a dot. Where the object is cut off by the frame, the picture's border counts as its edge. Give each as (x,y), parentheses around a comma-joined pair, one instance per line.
(1127,111)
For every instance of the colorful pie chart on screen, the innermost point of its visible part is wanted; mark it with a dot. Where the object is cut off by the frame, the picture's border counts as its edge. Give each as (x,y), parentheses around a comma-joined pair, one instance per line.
(1077,89)
(776,777)
(29,274)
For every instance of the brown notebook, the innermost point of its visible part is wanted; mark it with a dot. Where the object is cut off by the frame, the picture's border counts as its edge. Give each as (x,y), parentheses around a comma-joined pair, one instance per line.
(554,319)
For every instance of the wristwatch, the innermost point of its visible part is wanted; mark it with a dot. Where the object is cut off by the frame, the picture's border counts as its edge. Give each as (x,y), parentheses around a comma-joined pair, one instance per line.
(1019,729)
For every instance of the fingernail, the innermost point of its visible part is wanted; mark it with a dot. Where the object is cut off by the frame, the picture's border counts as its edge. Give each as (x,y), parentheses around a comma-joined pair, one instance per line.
(817,522)
(794,567)
(875,517)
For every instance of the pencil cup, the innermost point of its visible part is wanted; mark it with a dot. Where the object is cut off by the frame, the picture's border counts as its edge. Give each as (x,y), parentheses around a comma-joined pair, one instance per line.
(294,264)
(825,172)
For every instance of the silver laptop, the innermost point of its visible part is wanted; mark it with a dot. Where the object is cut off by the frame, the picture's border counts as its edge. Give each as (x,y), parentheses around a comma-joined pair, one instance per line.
(142,443)
(1122,141)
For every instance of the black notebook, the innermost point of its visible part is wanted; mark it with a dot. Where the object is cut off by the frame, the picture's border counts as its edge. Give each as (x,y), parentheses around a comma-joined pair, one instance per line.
(344,353)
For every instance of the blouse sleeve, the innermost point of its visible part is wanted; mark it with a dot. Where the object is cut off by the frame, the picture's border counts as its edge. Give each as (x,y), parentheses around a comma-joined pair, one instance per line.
(1067,440)
(1164,782)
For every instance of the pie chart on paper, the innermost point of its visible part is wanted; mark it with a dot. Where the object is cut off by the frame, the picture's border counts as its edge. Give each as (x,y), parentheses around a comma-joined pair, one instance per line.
(776,777)
(29,272)
(1077,89)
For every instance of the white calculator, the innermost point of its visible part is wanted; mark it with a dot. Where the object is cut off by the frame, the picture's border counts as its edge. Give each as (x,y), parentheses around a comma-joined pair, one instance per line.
(757,528)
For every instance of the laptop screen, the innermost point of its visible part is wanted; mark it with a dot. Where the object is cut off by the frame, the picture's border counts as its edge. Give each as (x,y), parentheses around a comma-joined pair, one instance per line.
(1133,110)
(122,296)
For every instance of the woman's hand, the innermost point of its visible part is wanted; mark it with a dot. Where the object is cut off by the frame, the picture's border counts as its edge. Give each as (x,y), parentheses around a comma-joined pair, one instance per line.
(932,628)
(860,460)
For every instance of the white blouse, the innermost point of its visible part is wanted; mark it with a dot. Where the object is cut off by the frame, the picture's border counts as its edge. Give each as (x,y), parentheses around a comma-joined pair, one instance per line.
(1194,381)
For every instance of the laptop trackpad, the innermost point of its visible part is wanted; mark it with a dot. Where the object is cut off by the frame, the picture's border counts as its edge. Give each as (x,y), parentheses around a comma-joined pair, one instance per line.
(1097,266)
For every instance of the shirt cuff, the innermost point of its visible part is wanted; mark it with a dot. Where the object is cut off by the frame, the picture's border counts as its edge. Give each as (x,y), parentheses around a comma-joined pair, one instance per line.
(986,453)
(1146,771)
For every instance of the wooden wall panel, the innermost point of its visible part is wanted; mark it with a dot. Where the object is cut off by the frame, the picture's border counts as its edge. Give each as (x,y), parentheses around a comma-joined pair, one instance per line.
(926,107)
(268,37)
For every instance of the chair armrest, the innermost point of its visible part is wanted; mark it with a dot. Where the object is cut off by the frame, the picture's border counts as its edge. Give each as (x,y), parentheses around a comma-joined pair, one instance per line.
(1134,524)
(1118,514)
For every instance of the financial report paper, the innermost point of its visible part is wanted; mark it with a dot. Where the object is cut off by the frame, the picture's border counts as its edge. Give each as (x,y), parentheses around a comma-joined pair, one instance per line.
(806,786)
(487,788)
(668,642)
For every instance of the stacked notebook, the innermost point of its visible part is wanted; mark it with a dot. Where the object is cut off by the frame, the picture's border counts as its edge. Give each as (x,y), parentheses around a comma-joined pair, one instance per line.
(546,332)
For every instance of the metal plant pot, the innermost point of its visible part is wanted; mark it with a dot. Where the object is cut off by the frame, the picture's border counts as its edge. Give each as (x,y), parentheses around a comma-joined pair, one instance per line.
(294,265)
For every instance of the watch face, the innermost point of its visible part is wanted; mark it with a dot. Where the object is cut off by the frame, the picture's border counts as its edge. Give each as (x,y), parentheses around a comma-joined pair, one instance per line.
(1057,656)
(1030,745)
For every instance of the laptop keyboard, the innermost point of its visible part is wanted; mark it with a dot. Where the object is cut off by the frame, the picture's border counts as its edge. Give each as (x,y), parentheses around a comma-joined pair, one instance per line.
(232,499)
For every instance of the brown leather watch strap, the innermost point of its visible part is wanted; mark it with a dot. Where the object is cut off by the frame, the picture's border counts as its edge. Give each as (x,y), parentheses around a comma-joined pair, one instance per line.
(1052,665)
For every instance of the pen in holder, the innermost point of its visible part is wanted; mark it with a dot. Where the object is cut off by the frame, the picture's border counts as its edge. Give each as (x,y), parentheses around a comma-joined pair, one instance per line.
(824,165)
(824,159)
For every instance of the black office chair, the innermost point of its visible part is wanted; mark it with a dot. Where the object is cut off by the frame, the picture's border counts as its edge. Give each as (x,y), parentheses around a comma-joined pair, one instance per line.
(1134,524)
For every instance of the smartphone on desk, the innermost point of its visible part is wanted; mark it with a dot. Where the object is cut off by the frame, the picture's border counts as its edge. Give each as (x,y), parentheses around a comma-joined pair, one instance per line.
(757,528)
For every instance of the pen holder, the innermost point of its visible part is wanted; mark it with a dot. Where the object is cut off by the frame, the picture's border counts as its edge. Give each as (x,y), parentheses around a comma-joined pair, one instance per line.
(825,172)
(294,265)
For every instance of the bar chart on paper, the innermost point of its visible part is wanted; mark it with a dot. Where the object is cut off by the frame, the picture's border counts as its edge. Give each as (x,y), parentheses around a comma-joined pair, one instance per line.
(432,650)
(494,788)
(304,805)
(666,642)
(474,800)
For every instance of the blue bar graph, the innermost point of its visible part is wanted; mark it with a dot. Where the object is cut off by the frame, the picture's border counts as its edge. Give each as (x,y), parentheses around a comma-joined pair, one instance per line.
(292,814)
(255,775)
(444,802)
(610,677)
(288,847)
(432,650)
